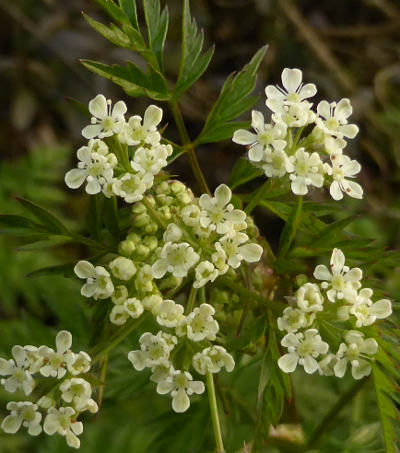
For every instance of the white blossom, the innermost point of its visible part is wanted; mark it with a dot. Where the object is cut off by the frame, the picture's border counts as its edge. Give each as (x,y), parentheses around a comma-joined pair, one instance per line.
(175,258)
(267,137)
(122,268)
(120,294)
(234,247)
(191,215)
(80,364)
(366,311)
(23,413)
(303,348)
(356,352)
(309,298)
(200,324)
(98,282)
(119,315)
(55,363)
(205,272)
(307,170)
(105,122)
(151,160)
(18,371)
(152,303)
(154,351)
(169,314)
(173,233)
(181,386)
(333,119)
(327,365)
(133,307)
(78,392)
(293,319)
(131,187)
(137,132)
(342,281)
(62,421)
(217,213)
(342,168)
(212,359)
(276,163)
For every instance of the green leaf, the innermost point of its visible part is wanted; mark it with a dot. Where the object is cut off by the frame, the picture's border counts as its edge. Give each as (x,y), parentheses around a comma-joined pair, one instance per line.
(233,100)
(333,232)
(192,64)
(129,7)
(243,172)
(290,229)
(19,226)
(94,217)
(49,221)
(157,26)
(114,11)
(53,241)
(132,79)
(67,270)
(110,218)
(113,34)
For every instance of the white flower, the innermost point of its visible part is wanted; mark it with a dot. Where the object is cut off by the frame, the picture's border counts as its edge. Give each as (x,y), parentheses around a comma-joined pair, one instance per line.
(161,373)
(212,359)
(169,314)
(56,362)
(231,245)
(173,233)
(98,282)
(327,365)
(133,307)
(151,160)
(334,120)
(33,359)
(368,312)
(131,187)
(136,133)
(303,348)
(356,351)
(309,298)
(306,171)
(120,294)
(154,351)
(78,392)
(205,272)
(80,364)
(276,163)
(342,281)
(289,103)
(200,324)
(175,258)
(95,167)
(105,122)
(191,215)
(181,386)
(17,369)
(122,268)
(217,213)
(342,168)
(62,421)
(333,146)
(293,319)
(267,136)
(23,413)
(152,303)
(119,315)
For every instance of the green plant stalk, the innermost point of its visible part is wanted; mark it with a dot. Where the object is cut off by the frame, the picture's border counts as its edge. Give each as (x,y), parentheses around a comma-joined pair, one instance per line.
(214,413)
(257,197)
(335,410)
(194,163)
(154,214)
(191,300)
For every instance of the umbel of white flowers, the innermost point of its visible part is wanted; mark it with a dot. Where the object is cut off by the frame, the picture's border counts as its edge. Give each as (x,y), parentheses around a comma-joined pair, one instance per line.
(342,287)
(61,364)
(280,148)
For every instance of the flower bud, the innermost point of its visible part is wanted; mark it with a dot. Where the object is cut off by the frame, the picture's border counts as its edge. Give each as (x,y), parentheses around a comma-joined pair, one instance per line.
(123,268)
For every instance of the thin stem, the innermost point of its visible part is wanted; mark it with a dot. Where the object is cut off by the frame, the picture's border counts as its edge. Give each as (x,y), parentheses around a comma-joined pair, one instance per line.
(194,163)
(329,418)
(257,197)
(191,300)
(103,373)
(154,214)
(214,413)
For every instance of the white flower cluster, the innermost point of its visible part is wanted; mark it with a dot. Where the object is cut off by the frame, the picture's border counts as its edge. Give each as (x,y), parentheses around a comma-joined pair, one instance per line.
(122,157)
(71,391)
(279,148)
(339,294)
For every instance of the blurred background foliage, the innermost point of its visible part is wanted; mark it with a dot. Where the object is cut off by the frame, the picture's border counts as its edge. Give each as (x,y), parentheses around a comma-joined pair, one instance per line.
(348,48)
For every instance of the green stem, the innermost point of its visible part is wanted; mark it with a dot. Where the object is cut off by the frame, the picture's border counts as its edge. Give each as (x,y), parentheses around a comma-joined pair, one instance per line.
(214,413)
(257,197)
(154,214)
(194,163)
(330,417)
(191,300)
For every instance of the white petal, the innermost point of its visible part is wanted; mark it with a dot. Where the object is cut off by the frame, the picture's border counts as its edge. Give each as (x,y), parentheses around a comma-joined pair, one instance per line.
(343,110)
(288,362)
(119,109)
(354,275)
(93,186)
(353,189)
(6,367)
(272,93)
(19,355)
(98,106)
(251,252)
(369,346)
(291,79)
(322,273)
(223,195)
(381,309)
(159,268)
(349,130)
(362,369)
(196,387)
(307,91)
(323,109)
(92,131)
(310,365)
(12,423)
(257,121)
(84,269)
(181,402)
(152,117)
(164,387)
(337,260)
(72,440)
(336,191)
(340,368)
(63,341)
(88,289)
(299,186)
(242,137)
(75,178)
